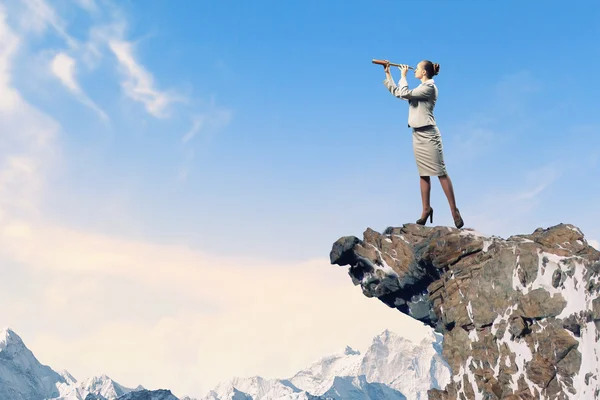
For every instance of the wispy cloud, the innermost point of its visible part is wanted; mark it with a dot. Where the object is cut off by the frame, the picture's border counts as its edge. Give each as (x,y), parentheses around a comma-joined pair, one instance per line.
(506,211)
(484,129)
(87,277)
(8,46)
(537,181)
(517,83)
(594,243)
(63,66)
(473,140)
(212,120)
(27,136)
(41,16)
(197,124)
(88,5)
(205,124)
(139,83)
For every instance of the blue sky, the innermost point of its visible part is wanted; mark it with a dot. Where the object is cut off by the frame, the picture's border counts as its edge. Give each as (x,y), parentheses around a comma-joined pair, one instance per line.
(309,143)
(248,131)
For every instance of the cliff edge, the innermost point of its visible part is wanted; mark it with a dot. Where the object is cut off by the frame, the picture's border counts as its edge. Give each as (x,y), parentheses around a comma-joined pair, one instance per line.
(520,316)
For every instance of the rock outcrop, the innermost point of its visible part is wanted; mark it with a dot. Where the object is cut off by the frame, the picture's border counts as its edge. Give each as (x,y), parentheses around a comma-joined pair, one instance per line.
(520,316)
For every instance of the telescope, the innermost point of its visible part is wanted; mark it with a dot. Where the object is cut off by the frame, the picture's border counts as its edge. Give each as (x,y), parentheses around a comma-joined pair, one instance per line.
(382,62)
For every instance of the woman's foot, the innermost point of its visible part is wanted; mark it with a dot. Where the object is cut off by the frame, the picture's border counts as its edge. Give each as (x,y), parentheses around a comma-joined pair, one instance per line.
(426,214)
(458,221)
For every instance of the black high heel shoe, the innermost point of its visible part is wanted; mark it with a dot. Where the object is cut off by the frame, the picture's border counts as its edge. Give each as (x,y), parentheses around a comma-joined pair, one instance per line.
(422,221)
(459,221)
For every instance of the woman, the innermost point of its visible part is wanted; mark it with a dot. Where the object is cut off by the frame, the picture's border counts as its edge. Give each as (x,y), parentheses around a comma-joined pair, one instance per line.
(427,142)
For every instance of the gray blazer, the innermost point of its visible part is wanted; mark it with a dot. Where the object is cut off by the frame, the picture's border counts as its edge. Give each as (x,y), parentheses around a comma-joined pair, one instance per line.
(421,100)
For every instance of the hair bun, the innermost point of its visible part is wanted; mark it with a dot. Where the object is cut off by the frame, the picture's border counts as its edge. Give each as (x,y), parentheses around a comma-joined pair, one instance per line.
(436,68)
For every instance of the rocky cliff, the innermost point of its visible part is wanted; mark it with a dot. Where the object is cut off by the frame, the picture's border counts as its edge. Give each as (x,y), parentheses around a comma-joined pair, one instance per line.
(520,316)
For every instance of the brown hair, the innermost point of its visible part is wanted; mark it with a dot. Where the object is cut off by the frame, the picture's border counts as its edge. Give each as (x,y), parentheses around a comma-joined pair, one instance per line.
(431,69)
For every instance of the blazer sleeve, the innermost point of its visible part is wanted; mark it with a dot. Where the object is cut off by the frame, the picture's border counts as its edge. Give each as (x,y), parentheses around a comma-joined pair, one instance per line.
(391,86)
(422,92)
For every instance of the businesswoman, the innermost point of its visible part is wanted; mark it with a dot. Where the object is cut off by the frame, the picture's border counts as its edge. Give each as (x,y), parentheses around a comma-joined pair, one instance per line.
(427,141)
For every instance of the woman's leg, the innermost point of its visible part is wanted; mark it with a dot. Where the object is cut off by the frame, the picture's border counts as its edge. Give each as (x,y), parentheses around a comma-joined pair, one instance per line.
(425,195)
(446,183)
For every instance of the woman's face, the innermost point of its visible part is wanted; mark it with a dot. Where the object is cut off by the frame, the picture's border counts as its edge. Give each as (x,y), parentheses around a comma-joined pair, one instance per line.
(420,72)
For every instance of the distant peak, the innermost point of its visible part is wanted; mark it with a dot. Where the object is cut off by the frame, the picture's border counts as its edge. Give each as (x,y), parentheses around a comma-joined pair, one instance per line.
(68,377)
(8,337)
(386,335)
(349,351)
(4,332)
(100,378)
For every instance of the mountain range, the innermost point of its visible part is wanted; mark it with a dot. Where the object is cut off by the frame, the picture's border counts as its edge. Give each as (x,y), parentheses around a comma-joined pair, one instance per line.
(392,368)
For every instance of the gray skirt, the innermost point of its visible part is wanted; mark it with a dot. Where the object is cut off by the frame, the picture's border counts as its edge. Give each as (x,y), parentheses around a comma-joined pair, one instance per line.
(429,154)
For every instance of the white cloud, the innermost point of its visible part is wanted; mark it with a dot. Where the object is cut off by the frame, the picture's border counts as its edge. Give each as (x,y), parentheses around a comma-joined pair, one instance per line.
(27,138)
(594,243)
(40,16)
(63,66)
(139,83)
(9,43)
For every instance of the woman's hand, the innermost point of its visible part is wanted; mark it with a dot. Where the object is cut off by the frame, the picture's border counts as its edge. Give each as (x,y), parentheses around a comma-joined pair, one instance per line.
(386,67)
(404,70)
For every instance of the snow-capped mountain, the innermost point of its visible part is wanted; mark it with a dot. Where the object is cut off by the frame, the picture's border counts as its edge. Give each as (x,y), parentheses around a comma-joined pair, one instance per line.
(144,394)
(390,359)
(22,376)
(358,388)
(68,377)
(258,388)
(391,368)
(103,387)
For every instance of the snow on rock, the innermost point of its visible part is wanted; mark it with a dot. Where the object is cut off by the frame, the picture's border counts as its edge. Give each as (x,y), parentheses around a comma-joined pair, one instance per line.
(520,316)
